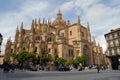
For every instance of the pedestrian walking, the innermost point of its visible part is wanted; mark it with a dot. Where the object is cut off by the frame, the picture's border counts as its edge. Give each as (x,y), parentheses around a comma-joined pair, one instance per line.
(98,68)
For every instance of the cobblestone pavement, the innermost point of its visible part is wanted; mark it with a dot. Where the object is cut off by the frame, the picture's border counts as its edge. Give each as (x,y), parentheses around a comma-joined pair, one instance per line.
(56,75)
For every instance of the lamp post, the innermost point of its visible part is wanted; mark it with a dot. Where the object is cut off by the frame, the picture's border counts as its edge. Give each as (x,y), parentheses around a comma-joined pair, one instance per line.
(1,38)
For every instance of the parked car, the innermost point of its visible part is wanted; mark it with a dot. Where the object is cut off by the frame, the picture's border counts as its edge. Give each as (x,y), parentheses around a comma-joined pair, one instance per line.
(32,68)
(63,68)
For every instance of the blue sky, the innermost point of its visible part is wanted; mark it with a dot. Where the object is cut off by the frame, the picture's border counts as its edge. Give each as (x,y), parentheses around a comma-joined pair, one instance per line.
(102,15)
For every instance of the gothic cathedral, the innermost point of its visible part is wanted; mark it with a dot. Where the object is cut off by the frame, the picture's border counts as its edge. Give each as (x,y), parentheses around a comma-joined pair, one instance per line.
(59,38)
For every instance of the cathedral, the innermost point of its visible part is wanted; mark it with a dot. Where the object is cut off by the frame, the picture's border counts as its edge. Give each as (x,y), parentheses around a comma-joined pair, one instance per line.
(59,38)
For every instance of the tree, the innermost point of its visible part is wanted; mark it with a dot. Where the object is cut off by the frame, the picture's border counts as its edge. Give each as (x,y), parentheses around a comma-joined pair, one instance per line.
(49,58)
(24,56)
(14,55)
(69,63)
(78,60)
(46,59)
(60,60)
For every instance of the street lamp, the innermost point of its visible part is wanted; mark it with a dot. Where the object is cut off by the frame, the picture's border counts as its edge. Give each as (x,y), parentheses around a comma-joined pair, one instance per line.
(1,38)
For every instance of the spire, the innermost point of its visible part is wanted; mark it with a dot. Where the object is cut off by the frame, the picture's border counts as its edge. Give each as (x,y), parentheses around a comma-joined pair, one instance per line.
(38,27)
(59,14)
(94,41)
(88,30)
(32,26)
(78,20)
(68,22)
(88,26)
(39,21)
(49,22)
(17,33)
(35,23)
(21,27)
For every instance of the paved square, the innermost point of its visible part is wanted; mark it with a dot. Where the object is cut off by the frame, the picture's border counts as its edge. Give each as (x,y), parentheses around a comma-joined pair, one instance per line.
(56,75)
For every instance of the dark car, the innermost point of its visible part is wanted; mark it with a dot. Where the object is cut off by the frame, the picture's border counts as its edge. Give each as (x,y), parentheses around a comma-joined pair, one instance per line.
(67,68)
(63,68)
(32,68)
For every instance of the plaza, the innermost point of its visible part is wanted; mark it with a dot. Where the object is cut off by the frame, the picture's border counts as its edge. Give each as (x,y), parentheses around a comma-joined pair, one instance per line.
(56,75)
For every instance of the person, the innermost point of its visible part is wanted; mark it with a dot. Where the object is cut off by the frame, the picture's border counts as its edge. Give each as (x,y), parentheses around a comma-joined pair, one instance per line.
(6,67)
(12,67)
(98,68)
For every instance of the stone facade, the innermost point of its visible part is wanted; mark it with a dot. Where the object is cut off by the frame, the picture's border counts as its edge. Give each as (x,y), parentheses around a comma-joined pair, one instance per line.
(58,38)
(113,47)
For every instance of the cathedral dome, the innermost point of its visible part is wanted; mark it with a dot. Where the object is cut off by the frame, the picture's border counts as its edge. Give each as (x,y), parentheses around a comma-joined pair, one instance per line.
(58,20)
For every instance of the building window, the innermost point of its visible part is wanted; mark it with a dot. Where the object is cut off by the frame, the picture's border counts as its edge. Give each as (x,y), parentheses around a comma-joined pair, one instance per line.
(82,34)
(110,52)
(118,34)
(37,38)
(114,43)
(62,34)
(70,33)
(107,37)
(119,41)
(35,49)
(11,50)
(109,44)
(70,53)
(23,48)
(49,39)
(113,35)
(49,50)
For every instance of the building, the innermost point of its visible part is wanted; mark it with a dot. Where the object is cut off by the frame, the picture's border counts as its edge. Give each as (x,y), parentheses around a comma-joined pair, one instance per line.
(113,47)
(59,38)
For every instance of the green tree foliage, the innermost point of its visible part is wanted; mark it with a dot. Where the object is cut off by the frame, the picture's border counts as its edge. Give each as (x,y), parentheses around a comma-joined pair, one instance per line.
(49,58)
(78,60)
(69,62)
(45,59)
(24,56)
(14,55)
(60,60)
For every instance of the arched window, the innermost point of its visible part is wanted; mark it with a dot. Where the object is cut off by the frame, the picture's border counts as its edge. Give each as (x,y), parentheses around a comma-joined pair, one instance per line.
(70,33)
(82,34)
(49,50)
(49,39)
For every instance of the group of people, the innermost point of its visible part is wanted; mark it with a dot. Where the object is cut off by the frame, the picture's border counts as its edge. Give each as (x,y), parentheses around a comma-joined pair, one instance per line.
(100,67)
(8,67)
(97,67)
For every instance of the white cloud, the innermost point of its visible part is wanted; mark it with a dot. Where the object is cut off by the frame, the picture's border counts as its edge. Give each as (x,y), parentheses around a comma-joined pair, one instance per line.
(101,40)
(28,11)
(97,13)
(84,4)
(67,6)
(33,8)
